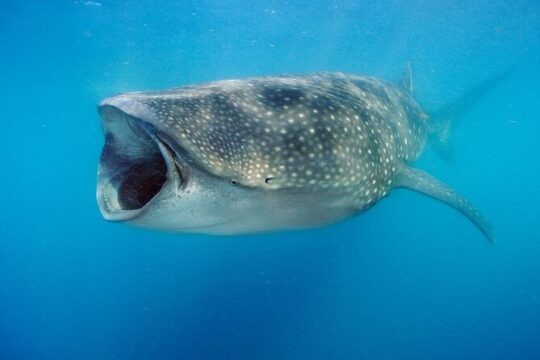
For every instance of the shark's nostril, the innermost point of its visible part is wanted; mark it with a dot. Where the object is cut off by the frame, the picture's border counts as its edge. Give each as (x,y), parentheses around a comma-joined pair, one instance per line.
(142,182)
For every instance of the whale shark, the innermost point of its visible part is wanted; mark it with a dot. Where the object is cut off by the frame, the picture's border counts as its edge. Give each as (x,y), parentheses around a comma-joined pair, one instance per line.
(271,153)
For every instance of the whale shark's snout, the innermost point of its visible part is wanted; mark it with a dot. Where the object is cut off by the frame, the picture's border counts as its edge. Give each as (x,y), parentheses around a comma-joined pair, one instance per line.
(135,165)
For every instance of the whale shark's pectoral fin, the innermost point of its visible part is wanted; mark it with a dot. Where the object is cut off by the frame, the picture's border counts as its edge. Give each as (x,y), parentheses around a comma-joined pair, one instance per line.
(424,183)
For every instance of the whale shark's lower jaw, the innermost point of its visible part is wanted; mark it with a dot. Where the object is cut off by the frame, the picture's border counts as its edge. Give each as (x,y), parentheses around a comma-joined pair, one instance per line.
(133,166)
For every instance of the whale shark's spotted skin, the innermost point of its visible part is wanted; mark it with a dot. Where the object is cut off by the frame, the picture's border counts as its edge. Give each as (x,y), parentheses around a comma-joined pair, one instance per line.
(313,132)
(345,136)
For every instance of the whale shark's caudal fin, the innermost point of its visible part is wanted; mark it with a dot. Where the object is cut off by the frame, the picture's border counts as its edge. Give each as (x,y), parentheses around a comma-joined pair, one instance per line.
(424,183)
(445,120)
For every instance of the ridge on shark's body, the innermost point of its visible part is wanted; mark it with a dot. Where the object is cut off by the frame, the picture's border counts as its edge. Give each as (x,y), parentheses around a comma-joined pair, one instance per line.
(269,153)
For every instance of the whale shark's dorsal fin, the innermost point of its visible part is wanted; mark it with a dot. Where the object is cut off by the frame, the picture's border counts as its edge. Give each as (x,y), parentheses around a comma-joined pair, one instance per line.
(405,83)
(424,183)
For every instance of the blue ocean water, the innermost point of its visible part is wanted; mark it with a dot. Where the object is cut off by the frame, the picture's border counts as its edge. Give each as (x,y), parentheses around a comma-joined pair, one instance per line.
(410,279)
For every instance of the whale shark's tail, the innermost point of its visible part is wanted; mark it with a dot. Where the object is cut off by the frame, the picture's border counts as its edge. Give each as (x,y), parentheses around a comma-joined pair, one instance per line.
(445,120)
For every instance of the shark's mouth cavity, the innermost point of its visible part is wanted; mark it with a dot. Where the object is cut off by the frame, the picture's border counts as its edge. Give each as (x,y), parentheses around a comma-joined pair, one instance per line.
(135,165)
(141,182)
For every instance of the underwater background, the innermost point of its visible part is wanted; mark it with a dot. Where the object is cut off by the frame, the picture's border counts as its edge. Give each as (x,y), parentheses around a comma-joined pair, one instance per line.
(409,279)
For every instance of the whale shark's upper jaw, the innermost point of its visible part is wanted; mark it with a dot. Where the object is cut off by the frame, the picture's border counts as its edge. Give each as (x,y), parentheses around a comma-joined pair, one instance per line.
(136,165)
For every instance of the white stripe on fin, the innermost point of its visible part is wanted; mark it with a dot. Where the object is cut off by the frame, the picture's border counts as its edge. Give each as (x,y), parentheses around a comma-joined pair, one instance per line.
(424,183)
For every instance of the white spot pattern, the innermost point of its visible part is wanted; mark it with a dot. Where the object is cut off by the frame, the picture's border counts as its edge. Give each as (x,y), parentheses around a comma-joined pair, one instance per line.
(322,131)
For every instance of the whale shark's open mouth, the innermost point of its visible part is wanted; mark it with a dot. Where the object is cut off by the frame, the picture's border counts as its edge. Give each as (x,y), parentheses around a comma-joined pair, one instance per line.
(135,165)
